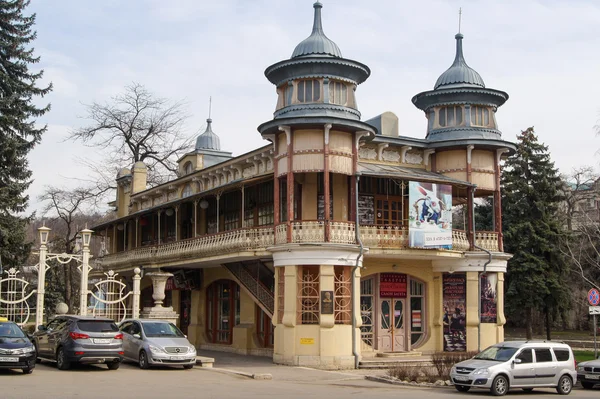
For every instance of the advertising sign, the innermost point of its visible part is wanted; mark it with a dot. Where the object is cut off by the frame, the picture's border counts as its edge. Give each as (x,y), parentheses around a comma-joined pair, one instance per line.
(454,301)
(430,215)
(392,285)
(489,298)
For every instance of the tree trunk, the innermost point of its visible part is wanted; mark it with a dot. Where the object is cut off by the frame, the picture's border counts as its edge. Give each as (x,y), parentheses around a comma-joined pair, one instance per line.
(547,314)
(68,287)
(529,324)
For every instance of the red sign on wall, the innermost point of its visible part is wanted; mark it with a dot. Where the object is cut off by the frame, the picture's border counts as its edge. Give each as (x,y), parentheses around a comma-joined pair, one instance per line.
(392,285)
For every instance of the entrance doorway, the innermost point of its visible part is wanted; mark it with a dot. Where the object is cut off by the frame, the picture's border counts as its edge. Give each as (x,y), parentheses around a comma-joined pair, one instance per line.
(391,334)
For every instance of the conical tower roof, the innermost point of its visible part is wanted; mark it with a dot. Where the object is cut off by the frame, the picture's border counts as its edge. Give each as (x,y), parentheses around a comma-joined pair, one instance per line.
(459,74)
(317,43)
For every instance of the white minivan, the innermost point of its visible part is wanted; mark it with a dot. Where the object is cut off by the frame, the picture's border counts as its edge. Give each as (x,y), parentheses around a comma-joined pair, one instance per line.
(518,364)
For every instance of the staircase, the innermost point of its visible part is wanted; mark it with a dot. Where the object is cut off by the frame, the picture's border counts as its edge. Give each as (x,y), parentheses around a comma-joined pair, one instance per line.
(391,360)
(257,280)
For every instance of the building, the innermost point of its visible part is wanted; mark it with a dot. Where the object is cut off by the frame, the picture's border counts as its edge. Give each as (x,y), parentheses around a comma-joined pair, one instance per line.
(334,241)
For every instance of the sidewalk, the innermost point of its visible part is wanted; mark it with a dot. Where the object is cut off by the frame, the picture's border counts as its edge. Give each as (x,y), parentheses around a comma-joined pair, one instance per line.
(251,365)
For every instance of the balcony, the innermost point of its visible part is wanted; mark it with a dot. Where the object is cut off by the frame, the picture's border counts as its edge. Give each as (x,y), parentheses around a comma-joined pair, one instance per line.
(253,239)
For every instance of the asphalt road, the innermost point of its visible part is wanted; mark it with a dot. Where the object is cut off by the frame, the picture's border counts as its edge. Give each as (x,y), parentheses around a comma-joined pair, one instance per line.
(130,382)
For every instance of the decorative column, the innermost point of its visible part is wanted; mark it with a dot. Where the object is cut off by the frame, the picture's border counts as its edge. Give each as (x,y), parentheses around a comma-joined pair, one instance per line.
(39,311)
(195,218)
(135,305)
(276,205)
(137,230)
(159,213)
(218,196)
(498,200)
(176,222)
(85,269)
(326,193)
(470,218)
(242,221)
(158,311)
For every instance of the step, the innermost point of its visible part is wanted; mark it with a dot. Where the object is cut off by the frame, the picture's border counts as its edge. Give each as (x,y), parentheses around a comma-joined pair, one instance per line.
(205,362)
(407,355)
(388,363)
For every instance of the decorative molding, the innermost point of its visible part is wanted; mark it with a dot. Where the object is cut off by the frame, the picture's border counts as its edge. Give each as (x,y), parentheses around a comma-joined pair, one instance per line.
(288,132)
(426,155)
(413,158)
(358,135)
(469,152)
(367,153)
(380,148)
(326,130)
(499,153)
(390,156)
(403,151)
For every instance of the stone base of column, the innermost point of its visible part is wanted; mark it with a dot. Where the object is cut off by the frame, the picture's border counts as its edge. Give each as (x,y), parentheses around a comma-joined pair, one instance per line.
(160,313)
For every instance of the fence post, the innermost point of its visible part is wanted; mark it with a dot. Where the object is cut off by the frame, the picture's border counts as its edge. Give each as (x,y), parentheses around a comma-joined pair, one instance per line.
(39,307)
(135,307)
(85,269)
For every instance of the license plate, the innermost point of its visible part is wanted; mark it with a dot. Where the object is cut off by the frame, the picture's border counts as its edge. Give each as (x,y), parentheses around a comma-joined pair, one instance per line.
(9,359)
(102,340)
(592,377)
(461,378)
(176,358)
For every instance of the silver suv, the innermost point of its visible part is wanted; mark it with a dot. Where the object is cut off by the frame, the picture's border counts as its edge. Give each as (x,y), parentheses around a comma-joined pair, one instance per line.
(518,364)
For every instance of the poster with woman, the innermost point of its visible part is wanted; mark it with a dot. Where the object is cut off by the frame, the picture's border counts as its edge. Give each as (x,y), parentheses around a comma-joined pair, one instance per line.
(454,304)
(489,297)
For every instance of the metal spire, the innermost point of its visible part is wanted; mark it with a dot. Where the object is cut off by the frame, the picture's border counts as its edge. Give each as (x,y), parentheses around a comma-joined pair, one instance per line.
(459,18)
(209,106)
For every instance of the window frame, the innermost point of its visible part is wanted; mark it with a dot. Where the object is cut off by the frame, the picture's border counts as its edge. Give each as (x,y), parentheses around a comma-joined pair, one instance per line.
(308,91)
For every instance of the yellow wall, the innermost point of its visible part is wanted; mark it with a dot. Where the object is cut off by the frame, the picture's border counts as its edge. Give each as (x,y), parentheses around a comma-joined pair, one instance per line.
(309,196)
(340,197)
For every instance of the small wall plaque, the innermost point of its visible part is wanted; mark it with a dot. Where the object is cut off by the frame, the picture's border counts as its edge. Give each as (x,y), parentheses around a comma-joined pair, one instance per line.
(327,302)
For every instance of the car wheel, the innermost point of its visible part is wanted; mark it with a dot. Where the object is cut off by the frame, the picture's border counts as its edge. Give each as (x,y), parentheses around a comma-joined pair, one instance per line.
(462,388)
(528,390)
(565,384)
(61,360)
(587,385)
(28,370)
(113,365)
(188,366)
(499,386)
(144,360)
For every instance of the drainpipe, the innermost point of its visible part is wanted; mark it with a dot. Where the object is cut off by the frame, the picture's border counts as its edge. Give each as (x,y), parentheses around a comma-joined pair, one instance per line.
(354,268)
(479,274)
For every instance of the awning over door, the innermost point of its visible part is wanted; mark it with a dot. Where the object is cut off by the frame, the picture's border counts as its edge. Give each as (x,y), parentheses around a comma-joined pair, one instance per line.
(404,173)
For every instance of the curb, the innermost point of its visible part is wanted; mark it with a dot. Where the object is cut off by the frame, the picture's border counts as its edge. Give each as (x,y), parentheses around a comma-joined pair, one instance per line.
(413,384)
(254,376)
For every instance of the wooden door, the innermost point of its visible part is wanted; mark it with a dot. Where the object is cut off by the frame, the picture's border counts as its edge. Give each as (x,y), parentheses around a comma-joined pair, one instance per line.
(391,336)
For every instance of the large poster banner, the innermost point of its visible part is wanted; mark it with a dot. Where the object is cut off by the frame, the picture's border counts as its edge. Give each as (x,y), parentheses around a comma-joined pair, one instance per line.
(392,285)
(430,217)
(454,303)
(489,298)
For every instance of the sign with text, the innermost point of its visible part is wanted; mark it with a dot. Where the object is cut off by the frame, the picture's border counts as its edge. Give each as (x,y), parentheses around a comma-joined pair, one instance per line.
(594,309)
(307,341)
(430,215)
(392,285)
(454,301)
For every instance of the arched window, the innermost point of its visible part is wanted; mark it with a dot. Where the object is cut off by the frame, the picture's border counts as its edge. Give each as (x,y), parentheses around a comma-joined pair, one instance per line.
(309,91)
(222,311)
(480,116)
(188,168)
(187,191)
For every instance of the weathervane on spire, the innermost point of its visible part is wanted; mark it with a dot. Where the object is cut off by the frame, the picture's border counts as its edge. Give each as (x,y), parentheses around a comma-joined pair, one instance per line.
(459,18)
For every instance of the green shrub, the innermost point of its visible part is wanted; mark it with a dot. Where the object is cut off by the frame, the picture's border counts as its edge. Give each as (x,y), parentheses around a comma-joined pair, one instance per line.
(443,362)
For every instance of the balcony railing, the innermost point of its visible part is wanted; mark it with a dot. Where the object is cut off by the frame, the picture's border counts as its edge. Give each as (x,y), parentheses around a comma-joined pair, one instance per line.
(248,239)
(209,245)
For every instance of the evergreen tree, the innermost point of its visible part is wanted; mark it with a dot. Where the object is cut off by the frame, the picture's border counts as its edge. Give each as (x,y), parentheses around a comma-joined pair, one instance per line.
(532,230)
(18,132)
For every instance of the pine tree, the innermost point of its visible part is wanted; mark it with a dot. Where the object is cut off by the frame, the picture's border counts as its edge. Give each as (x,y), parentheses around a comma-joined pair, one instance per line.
(18,131)
(532,230)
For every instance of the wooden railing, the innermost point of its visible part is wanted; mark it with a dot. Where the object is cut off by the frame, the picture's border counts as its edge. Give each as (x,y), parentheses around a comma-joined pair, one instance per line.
(248,239)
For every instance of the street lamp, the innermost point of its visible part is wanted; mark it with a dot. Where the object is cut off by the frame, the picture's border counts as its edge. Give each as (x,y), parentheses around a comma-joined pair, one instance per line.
(86,236)
(204,204)
(43,232)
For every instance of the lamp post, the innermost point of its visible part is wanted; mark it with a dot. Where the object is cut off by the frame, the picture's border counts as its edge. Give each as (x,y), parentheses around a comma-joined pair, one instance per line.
(39,311)
(86,236)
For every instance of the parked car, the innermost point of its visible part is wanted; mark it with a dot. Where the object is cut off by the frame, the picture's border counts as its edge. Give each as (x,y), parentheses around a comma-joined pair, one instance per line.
(589,373)
(79,339)
(156,342)
(518,364)
(16,350)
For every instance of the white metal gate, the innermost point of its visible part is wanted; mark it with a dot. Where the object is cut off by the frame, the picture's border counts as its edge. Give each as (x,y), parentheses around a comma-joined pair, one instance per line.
(14,293)
(109,297)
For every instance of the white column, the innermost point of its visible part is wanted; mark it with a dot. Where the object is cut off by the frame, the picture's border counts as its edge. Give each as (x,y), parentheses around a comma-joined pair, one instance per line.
(83,289)
(218,216)
(242,224)
(159,212)
(39,311)
(177,223)
(195,218)
(135,306)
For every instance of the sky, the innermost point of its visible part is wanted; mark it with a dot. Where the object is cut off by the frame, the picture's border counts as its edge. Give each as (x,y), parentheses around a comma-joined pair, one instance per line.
(544,53)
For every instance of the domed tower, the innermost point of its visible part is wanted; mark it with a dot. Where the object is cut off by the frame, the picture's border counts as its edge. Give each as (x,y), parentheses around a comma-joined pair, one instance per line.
(206,153)
(315,133)
(462,128)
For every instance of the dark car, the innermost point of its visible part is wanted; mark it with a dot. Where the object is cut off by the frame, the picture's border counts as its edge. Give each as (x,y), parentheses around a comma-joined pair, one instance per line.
(589,373)
(16,350)
(80,339)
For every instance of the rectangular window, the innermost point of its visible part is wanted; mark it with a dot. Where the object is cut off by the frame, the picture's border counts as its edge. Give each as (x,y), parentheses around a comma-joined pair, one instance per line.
(280,293)
(442,117)
(480,116)
(342,295)
(366,311)
(308,295)
(338,93)
(562,355)
(309,91)
(542,355)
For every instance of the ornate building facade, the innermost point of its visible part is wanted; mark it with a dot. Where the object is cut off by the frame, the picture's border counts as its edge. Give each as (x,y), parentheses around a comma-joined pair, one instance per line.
(334,242)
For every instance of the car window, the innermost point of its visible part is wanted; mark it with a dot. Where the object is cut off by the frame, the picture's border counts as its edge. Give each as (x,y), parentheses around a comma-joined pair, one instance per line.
(135,329)
(53,324)
(10,330)
(562,355)
(542,355)
(161,329)
(498,353)
(97,326)
(126,327)
(526,356)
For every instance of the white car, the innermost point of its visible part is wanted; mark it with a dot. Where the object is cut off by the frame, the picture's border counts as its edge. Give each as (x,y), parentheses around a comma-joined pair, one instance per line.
(519,364)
